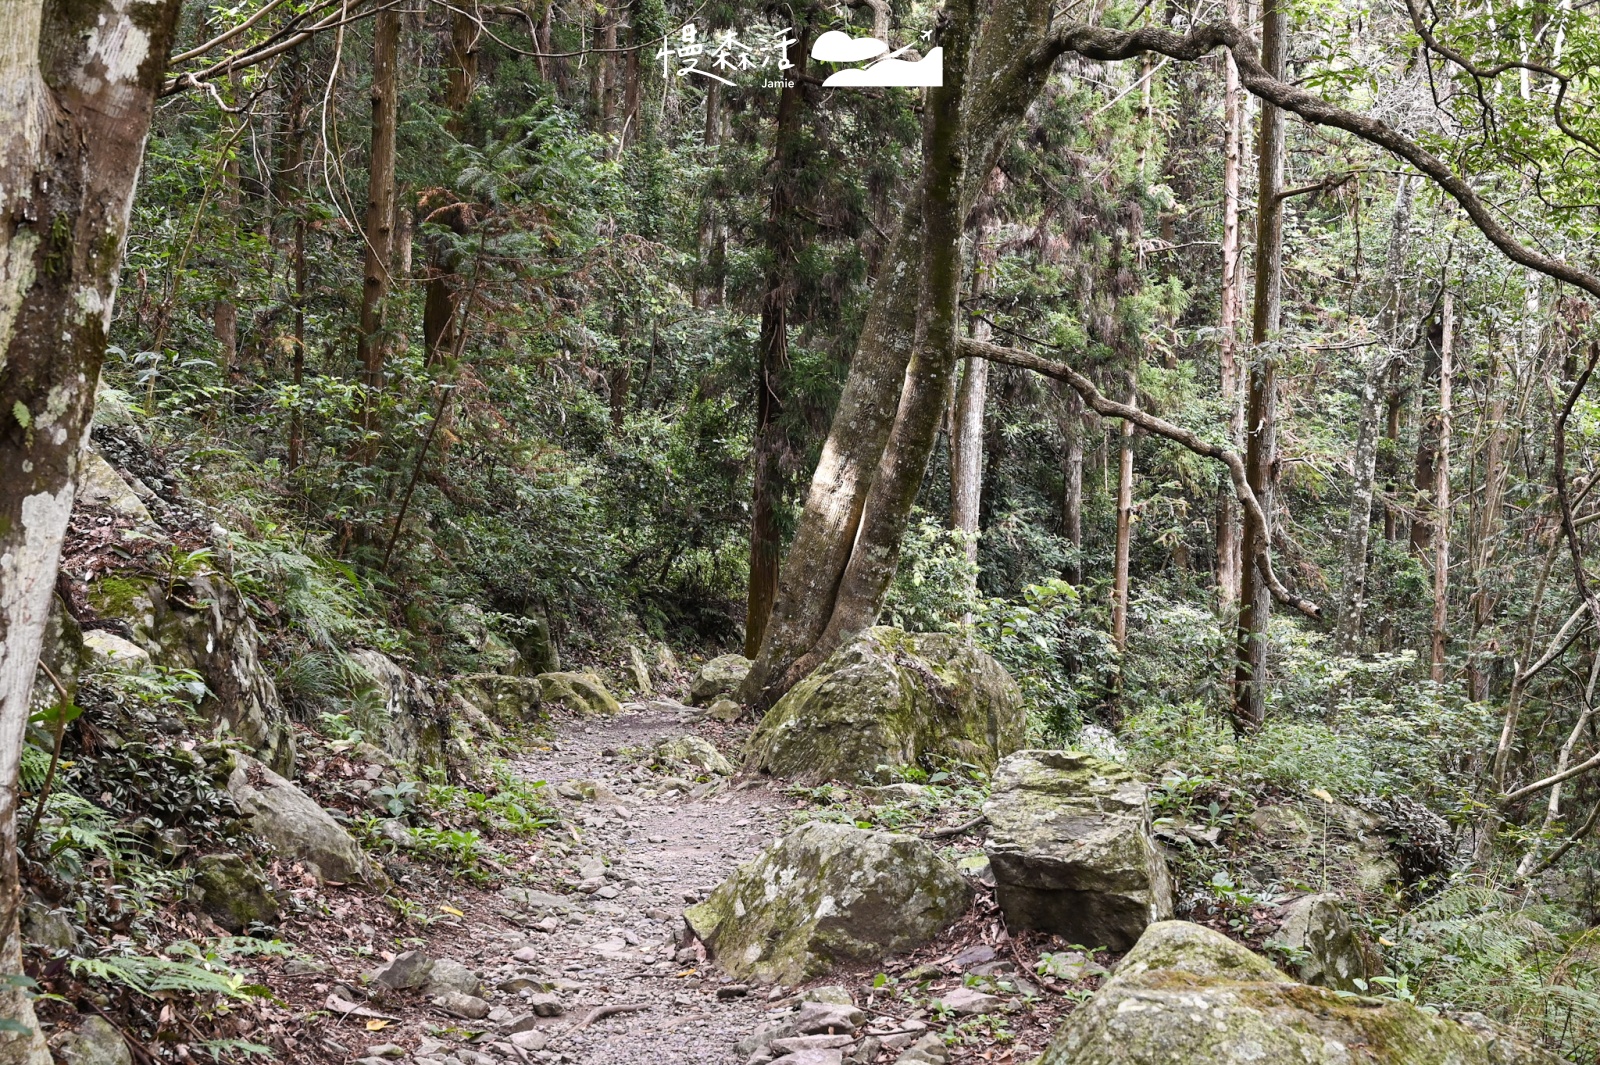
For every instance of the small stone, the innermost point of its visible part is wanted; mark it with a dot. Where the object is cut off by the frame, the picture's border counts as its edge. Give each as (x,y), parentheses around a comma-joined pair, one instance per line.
(974,955)
(607,892)
(827,1018)
(545,1005)
(386,1050)
(448,975)
(457,1004)
(591,885)
(811,1057)
(733,991)
(521,1022)
(527,955)
(303,967)
(530,1040)
(590,867)
(834,993)
(796,1043)
(512,985)
(1069,965)
(404,972)
(969,1002)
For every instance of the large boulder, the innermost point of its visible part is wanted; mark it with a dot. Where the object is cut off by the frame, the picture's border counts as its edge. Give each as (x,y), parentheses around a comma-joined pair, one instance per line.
(824,894)
(201,622)
(583,694)
(94,1041)
(100,485)
(1071,851)
(1186,993)
(891,699)
(718,679)
(233,892)
(1327,951)
(295,825)
(511,702)
(690,755)
(396,711)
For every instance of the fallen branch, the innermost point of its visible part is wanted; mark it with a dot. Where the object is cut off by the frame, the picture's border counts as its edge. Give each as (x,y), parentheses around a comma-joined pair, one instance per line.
(1109,408)
(600,1013)
(958,830)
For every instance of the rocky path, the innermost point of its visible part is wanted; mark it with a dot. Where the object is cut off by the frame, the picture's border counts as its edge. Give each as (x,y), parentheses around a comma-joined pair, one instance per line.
(663,848)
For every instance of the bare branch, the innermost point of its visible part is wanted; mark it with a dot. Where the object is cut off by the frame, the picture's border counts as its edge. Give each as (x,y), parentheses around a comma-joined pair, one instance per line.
(1108,408)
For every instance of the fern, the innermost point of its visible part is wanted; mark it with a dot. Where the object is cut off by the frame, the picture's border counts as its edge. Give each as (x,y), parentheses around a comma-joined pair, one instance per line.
(195,969)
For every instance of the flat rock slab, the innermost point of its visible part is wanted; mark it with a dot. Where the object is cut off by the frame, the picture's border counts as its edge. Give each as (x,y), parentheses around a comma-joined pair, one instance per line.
(1071,851)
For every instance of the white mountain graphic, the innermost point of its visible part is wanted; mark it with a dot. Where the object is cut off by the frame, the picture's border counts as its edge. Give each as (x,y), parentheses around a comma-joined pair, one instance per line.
(888,72)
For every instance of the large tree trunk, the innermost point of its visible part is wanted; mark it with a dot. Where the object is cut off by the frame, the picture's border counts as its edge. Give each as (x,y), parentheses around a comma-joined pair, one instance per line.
(461,70)
(375,276)
(832,531)
(1255,598)
(782,239)
(77,84)
(1358,530)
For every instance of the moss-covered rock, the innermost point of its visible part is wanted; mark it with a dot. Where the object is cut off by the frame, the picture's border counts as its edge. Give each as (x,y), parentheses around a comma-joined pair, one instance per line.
(1186,993)
(233,892)
(891,699)
(200,621)
(1071,850)
(1327,950)
(511,702)
(827,893)
(583,694)
(691,755)
(398,713)
(718,679)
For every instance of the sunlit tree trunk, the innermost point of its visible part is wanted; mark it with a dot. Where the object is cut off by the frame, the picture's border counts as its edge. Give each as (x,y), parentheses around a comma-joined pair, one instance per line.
(1228,557)
(1441,497)
(1255,599)
(372,349)
(1426,476)
(966,420)
(77,111)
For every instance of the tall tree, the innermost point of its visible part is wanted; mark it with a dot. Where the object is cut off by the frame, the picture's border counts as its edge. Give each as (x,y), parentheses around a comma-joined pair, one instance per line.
(77,83)
(1441,494)
(966,413)
(1228,557)
(782,246)
(376,277)
(1255,598)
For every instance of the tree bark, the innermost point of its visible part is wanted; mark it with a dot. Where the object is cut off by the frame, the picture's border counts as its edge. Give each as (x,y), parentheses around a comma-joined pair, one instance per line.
(1228,556)
(966,421)
(461,70)
(831,529)
(77,84)
(782,241)
(1358,530)
(1071,426)
(372,349)
(1119,580)
(1255,601)
(292,180)
(713,240)
(1441,497)
(1426,477)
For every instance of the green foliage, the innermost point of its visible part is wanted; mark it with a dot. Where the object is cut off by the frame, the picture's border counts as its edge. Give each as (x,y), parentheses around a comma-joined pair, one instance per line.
(182,967)
(935,584)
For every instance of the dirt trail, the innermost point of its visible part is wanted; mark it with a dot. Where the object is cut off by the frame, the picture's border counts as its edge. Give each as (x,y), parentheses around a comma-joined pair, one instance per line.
(662,851)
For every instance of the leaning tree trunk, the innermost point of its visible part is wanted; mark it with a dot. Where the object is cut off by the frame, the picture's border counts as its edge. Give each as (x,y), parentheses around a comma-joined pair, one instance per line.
(1255,598)
(831,531)
(77,111)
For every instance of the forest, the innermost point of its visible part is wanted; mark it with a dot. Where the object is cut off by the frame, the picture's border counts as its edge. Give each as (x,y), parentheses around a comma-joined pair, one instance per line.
(808,533)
